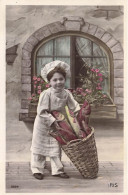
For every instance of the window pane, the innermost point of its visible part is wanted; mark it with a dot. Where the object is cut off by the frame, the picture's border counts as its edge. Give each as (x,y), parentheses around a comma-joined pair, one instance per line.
(83,46)
(87,61)
(96,59)
(46,49)
(62,46)
(66,60)
(80,69)
(97,51)
(40,64)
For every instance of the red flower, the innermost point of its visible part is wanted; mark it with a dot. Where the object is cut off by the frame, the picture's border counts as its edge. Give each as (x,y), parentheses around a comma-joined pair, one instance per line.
(99,74)
(35,82)
(38,79)
(93,70)
(84,94)
(39,87)
(87,90)
(34,78)
(34,86)
(80,90)
(99,88)
(47,85)
(33,94)
(97,70)
(30,98)
(101,79)
(39,91)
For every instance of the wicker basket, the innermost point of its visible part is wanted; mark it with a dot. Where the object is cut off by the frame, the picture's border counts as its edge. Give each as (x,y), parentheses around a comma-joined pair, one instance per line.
(83,154)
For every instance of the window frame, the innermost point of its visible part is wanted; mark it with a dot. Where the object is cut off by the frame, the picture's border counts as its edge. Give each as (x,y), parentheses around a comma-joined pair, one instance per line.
(72,59)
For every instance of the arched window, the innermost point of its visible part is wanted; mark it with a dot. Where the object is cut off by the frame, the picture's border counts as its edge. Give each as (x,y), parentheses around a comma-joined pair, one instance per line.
(79,52)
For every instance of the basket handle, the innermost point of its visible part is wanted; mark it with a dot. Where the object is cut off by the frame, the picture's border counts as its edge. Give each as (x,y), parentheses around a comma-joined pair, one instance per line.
(73,141)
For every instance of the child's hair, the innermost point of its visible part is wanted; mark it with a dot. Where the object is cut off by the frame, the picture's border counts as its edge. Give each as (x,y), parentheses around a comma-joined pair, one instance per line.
(57,69)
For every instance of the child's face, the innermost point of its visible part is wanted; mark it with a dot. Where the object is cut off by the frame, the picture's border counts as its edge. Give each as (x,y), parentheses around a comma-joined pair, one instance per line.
(57,81)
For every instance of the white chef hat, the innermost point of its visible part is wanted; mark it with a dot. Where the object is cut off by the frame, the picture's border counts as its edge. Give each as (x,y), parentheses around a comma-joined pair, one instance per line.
(50,66)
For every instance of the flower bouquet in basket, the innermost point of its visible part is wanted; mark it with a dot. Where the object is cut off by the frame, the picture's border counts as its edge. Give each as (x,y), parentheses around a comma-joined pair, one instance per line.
(76,138)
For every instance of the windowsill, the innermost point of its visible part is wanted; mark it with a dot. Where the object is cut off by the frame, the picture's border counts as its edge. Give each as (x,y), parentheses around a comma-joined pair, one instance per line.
(104,112)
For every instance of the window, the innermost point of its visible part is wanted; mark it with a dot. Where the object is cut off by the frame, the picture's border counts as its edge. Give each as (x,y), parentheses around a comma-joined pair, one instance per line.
(76,51)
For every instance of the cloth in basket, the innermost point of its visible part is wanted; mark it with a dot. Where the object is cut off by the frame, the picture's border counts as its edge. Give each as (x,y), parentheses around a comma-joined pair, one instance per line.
(63,133)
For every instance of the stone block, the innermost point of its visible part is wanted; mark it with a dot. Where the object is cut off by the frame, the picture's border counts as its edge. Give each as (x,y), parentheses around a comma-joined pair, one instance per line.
(119,100)
(85,27)
(99,32)
(26,79)
(10,58)
(26,55)
(92,29)
(26,87)
(46,31)
(25,94)
(118,92)
(106,37)
(26,71)
(116,48)
(56,27)
(118,73)
(118,55)
(42,33)
(23,116)
(32,40)
(118,64)
(72,25)
(118,83)
(26,63)
(24,111)
(120,112)
(39,34)
(27,46)
(99,13)
(120,107)
(73,18)
(24,104)
(12,50)
(111,42)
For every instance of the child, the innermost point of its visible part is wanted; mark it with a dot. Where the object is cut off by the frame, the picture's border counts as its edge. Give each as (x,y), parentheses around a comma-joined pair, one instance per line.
(54,98)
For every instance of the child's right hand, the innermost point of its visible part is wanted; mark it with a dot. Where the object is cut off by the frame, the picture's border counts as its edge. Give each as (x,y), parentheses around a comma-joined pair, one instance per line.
(55,125)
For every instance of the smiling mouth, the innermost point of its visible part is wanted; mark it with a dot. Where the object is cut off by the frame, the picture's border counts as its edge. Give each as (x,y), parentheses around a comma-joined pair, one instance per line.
(59,85)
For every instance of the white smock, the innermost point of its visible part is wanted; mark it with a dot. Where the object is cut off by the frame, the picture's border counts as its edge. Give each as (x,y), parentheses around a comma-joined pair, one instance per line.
(50,100)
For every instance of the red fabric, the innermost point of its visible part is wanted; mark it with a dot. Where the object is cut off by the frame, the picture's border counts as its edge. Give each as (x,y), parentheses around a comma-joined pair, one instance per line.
(64,132)
(83,117)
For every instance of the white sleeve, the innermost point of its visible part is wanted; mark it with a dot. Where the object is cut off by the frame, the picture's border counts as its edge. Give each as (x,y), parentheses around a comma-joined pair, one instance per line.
(72,103)
(43,108)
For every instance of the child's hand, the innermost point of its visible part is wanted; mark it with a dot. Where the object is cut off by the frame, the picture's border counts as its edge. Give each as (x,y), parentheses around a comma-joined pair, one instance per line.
(55,125)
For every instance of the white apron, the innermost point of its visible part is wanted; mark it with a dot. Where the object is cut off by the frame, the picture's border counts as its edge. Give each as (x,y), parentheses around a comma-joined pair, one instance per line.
(50,100)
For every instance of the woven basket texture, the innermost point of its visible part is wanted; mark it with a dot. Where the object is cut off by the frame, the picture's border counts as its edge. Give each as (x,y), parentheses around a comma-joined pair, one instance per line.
(83,154)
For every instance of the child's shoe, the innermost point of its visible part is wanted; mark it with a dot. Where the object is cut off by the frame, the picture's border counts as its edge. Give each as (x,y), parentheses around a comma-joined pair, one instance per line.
(38,176)
(62,175)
